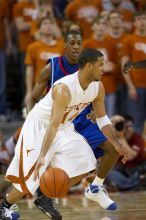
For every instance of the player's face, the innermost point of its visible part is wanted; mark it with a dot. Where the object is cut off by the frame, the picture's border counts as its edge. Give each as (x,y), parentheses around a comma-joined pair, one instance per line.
(98,69)
(73,47)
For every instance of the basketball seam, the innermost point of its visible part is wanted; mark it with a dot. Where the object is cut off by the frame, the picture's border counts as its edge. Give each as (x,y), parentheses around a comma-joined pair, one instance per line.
(46,185)
(54,181)
(62,185)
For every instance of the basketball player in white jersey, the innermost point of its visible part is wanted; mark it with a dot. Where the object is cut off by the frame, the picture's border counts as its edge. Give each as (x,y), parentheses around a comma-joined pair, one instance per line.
(48,137)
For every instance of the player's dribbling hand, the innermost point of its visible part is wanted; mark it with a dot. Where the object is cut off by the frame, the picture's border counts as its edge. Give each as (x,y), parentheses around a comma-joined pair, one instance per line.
(39,164)
(92,117)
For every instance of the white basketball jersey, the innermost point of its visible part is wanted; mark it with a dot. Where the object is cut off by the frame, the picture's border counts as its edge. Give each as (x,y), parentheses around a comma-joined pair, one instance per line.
(80,98)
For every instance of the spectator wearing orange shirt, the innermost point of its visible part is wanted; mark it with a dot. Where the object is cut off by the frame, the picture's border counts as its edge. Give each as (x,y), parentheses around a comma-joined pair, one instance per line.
(117,35)
(23,13)
(83,12)
(134,49)
(44,8)
(5,43)
(100,42)
(126,7)
(39,52)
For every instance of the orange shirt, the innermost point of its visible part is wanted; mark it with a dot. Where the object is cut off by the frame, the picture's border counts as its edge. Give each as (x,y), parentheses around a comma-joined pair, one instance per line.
(118,43)
(34,28)
(83,12)
(3,15)
(24,10)
(108,79)
(135,48)
(38,53)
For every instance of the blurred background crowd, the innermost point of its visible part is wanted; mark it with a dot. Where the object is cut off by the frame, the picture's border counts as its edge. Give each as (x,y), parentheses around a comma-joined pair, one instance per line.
(32,31)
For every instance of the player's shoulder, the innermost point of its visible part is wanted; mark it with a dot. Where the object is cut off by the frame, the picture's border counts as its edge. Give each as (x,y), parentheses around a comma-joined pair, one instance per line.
(62,91)
(69,79)
(101,87)
(54,59)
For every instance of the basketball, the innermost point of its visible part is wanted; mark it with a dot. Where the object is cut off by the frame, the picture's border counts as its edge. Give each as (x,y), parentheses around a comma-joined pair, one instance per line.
(54,183)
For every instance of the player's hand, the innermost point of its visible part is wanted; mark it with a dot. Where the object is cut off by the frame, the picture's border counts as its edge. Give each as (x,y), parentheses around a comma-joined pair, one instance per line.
(39,164)
(92,117)
(128,66)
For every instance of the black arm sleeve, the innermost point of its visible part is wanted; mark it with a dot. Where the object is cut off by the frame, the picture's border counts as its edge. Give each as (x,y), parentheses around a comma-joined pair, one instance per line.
(140,64)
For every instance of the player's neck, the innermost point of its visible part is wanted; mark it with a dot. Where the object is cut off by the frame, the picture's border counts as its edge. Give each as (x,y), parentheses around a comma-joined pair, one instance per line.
(70,61)
(84,80)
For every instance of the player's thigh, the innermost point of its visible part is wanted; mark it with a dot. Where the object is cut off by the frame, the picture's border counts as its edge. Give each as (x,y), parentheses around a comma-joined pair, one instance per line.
(73,154)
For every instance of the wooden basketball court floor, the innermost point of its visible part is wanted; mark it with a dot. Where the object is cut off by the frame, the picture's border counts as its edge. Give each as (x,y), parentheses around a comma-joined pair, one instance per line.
(131,206)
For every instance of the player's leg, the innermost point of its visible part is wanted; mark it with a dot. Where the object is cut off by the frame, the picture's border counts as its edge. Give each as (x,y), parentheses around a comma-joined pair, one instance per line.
(95,138)
(46,204)
(108,160)
(4,185)
(96,191)
(12,197)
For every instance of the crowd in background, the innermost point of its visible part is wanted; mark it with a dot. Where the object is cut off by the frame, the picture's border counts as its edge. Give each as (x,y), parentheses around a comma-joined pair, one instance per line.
(32,31)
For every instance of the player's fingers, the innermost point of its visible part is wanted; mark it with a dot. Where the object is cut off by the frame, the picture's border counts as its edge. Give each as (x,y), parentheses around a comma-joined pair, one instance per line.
(35,175)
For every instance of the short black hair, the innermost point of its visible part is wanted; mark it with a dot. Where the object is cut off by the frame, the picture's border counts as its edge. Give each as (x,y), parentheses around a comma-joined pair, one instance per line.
(88,55)
(72,32)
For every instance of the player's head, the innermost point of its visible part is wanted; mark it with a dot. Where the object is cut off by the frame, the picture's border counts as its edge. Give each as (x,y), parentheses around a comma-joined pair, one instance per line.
(91,62)
(73,45)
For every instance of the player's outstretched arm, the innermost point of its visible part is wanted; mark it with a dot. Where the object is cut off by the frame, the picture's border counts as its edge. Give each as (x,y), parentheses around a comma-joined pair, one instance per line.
(61,98)
(105,125)
(39,87)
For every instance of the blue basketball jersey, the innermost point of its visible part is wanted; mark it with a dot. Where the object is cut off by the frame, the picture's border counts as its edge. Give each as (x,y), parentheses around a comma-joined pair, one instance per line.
(60,68)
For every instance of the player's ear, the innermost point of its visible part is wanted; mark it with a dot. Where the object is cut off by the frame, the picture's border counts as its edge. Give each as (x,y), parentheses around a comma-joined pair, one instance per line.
(90,66)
